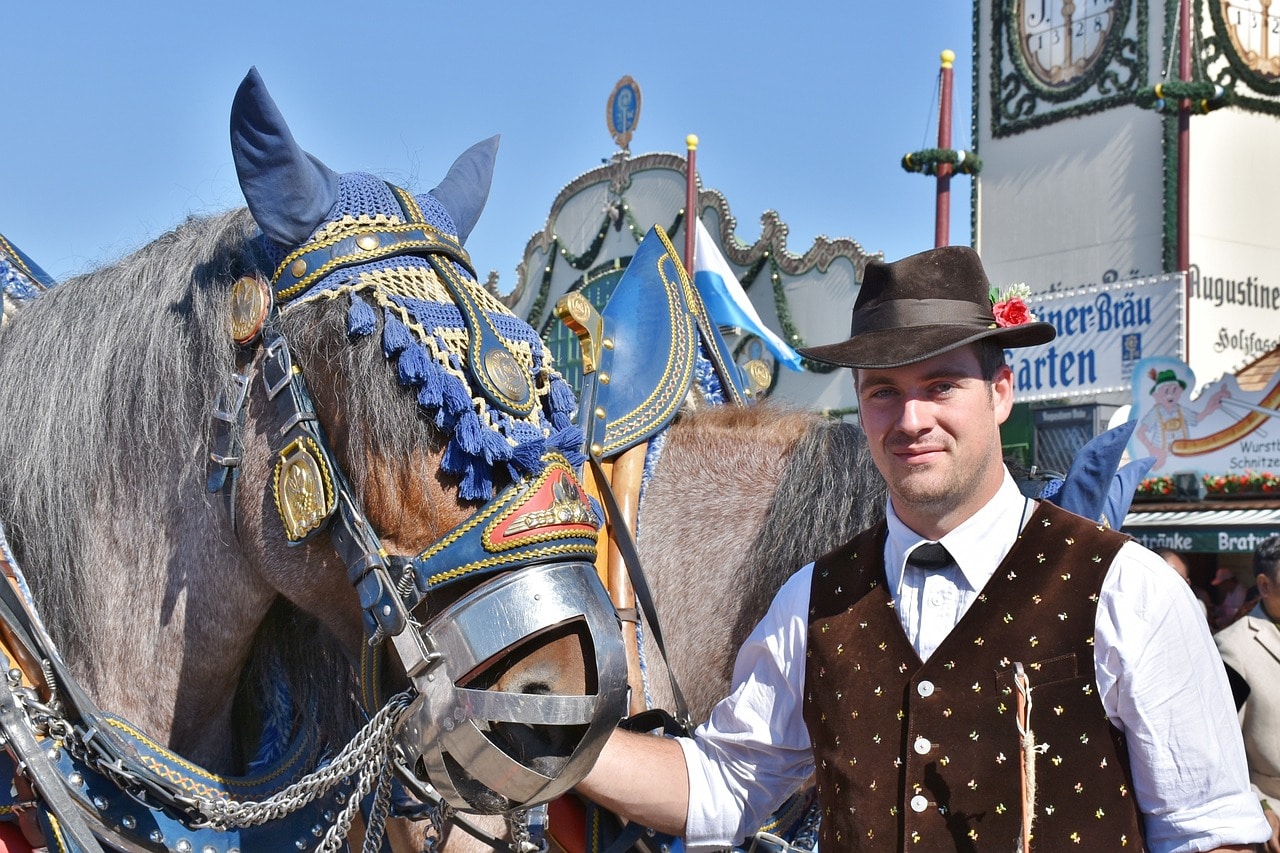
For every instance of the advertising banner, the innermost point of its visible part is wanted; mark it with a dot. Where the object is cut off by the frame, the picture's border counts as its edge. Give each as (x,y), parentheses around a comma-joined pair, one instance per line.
(1103,332)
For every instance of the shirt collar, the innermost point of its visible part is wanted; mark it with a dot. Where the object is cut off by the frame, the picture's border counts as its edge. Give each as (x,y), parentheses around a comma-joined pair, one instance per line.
(978,544)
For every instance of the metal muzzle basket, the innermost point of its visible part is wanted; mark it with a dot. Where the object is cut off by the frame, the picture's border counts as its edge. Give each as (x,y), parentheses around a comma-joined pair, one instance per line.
(451,726)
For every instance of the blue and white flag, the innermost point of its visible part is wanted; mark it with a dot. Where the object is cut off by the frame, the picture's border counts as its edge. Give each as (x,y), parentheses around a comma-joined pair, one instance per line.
(727,302)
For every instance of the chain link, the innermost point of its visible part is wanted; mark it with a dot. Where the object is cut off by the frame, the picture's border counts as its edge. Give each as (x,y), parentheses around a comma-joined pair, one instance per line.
(370,747)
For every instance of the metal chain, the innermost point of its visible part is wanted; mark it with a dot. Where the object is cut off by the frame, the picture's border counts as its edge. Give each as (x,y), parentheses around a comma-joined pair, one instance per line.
(369,747)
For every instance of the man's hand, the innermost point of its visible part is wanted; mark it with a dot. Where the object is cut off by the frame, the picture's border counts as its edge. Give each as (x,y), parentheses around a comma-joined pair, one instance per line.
(1272,846)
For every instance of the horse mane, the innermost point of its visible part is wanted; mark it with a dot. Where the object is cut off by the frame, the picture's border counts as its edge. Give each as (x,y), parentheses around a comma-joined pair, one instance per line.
(740,499)
(830,492)
(105,451)
(97,433)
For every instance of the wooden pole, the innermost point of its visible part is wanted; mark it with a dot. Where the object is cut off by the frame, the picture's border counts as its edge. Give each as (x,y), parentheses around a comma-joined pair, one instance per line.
(690,202)
(942,216)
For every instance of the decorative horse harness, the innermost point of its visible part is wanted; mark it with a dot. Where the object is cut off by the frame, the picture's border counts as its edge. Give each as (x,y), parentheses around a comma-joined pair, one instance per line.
(533,541)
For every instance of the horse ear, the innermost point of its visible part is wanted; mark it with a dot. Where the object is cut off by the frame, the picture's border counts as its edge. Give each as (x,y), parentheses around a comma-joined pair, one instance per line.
(288,191)
(465,188)
(1095,485)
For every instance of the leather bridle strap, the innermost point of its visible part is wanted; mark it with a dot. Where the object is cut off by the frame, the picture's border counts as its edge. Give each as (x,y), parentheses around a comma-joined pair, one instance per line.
(644,596)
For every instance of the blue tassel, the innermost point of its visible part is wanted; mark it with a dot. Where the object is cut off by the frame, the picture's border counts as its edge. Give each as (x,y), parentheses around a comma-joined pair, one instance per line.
(468,433)
(560,421)
(569,442)
(361,318)
(454,460)
(526,457)
(415,364)
(431,389)
(495,447)
(456,397)
(562,399)
(395,336)
(477,484)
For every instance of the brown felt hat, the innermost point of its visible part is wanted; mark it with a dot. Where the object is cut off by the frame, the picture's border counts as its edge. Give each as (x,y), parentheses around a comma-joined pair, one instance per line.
(921,306)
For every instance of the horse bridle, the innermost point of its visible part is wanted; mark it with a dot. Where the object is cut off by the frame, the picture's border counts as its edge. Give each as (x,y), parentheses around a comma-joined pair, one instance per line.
(542,530)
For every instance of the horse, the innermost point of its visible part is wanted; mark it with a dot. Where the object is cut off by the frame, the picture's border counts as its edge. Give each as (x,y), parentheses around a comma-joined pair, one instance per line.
(177,431)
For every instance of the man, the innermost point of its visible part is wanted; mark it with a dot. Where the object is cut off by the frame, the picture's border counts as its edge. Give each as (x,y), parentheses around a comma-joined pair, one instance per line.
(1250,648)
(1179,565)
(1232,596)
(900,684)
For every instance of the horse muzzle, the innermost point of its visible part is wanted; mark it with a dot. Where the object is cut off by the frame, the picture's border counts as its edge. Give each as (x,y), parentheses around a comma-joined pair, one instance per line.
(518,748)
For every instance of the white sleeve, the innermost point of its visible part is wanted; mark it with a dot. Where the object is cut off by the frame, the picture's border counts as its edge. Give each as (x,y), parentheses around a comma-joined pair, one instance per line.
(1163,684)
(754,751)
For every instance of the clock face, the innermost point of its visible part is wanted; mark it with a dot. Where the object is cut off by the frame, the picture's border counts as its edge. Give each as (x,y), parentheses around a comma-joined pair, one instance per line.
(1060,40)
(1254,29)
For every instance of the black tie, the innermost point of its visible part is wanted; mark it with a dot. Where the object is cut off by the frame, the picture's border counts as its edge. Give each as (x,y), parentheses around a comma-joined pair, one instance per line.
(930,556)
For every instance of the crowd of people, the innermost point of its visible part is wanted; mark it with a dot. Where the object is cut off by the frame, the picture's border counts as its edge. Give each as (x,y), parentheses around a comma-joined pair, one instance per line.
(1245,621)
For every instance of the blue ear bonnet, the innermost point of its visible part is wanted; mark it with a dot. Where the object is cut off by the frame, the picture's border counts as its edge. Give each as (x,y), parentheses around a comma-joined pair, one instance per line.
(483,374)
(362,194)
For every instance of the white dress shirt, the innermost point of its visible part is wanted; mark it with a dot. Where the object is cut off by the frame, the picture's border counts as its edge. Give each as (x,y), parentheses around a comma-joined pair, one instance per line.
(1158,672)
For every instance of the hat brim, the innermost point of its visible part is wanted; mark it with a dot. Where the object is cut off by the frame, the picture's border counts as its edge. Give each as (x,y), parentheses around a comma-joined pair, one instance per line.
(900,347)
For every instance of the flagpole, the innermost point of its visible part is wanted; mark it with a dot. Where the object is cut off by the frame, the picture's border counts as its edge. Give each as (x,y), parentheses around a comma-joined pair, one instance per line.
(942,216)
(690,202)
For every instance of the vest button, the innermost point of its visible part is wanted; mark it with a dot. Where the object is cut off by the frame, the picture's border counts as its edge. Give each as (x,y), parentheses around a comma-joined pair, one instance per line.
(925,689)
(922,747)
(919,803)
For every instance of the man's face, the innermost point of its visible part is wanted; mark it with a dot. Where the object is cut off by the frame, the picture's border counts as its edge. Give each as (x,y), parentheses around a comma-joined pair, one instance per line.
(1269,591)
(934,434)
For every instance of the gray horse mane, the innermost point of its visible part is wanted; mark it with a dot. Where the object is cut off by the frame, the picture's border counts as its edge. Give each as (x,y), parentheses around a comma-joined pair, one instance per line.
(100,431)
(106,448)
(830,492)
(741,498)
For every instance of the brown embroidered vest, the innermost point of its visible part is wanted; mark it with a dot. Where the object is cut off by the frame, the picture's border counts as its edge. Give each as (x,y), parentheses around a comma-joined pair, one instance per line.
(925,757)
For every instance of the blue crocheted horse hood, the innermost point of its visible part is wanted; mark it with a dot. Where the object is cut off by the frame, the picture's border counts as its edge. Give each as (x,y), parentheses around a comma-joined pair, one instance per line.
(390,252)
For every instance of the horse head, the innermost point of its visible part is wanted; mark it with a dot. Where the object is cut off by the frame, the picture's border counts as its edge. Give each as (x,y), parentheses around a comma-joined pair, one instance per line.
(404,410)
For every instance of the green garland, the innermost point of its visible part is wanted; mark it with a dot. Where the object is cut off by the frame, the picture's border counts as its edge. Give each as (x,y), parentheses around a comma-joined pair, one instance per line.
(1168,97)
(928,160)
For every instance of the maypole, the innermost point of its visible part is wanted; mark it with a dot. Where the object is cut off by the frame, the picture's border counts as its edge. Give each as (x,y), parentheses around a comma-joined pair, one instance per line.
(942,212)
(943,161)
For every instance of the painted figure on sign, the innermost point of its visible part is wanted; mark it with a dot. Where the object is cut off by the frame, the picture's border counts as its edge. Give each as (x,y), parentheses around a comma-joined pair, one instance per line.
(1168,420)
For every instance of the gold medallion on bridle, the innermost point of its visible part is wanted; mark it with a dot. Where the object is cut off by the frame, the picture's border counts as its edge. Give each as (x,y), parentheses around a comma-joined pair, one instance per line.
(250,302)
(303,486)
(505,373)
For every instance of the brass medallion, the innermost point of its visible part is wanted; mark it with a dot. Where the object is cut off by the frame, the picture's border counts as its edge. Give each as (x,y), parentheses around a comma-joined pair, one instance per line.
(303,488)
(250,302)
(505,373)
(758,374)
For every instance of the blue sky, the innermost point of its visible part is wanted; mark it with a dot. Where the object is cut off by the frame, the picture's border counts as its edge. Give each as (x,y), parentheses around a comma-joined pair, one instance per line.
(115,115)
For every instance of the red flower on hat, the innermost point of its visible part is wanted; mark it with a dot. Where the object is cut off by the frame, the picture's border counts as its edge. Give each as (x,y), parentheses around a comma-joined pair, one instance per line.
(1011,312)
(1010,308)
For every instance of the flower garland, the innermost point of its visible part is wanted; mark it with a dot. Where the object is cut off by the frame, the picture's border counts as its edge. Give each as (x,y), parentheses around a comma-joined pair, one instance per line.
(1250,482)
(1010,307)
(1156,487)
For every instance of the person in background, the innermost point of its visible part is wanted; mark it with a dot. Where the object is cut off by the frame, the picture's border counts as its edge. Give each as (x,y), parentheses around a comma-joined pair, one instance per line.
(1179,564)
(1250,648)
(901,667)
(1231,597)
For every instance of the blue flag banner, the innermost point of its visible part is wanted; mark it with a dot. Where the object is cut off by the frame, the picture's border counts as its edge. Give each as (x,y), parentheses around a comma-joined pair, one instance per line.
(726,301)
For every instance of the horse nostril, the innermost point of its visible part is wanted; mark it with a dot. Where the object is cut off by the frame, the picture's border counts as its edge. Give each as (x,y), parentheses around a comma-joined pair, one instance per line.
(537,688)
